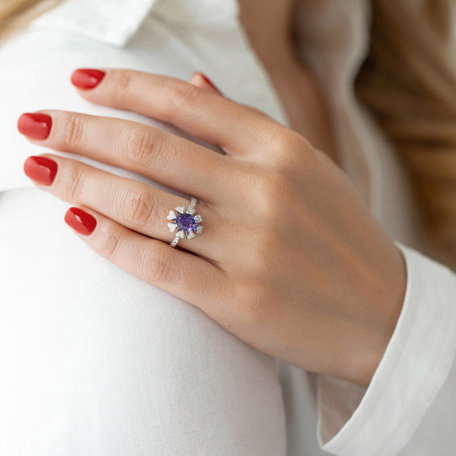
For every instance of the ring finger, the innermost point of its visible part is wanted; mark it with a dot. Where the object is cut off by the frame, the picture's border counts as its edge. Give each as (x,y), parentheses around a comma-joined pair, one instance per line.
(133,204)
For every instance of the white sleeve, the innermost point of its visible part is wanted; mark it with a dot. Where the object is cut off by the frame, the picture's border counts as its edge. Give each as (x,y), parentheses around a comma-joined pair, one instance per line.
(412,383)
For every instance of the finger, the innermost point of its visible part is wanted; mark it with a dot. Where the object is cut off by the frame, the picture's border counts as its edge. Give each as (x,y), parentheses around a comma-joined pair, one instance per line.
(237,129)
(176,271)
(131,203)
(160,156)
(203,82)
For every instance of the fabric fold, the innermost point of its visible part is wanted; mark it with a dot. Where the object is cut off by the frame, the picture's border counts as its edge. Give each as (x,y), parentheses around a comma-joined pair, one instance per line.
(113,22)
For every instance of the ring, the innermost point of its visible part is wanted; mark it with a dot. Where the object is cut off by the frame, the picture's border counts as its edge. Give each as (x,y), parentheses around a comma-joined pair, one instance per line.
(185,222)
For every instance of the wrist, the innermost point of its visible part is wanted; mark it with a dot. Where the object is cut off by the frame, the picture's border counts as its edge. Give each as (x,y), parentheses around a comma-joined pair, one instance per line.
(366,346)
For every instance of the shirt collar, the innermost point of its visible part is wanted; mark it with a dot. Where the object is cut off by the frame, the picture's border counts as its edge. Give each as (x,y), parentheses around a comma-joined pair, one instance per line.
(206,13)
(110,21)
(116,21)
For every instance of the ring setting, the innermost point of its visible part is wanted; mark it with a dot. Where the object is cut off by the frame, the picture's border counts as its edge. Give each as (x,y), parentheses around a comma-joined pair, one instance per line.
(186,222)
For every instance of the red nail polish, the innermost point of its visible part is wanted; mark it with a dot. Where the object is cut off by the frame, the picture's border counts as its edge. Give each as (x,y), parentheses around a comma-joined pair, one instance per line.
(87,78)
(41,169)
(210,82)
(35,125)
(81,221)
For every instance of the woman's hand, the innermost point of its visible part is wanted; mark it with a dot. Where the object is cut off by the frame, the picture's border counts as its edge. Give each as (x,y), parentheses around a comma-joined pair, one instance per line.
(290,260)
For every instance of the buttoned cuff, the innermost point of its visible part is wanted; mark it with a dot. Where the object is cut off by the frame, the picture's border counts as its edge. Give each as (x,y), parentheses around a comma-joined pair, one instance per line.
(382,418)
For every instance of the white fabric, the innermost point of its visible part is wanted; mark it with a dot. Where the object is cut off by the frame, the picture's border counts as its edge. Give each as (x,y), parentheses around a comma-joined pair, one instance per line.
(97,362)
(411,373)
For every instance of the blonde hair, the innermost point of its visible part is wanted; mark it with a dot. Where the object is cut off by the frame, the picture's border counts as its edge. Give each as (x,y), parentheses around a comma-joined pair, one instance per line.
(409,83)
(15,14)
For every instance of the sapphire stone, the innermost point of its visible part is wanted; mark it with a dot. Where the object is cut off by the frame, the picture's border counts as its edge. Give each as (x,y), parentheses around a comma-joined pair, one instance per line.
(186,222)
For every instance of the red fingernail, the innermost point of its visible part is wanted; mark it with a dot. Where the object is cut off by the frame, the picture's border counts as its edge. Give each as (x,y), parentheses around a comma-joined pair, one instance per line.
(81,221)
(87,78)
(41,169)
(35,125)
(209,82)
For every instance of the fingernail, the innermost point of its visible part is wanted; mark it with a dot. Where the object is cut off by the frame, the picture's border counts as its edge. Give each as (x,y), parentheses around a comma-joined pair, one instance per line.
(40,169)
(35,125)
(87,78)
(209,82)
(81,221)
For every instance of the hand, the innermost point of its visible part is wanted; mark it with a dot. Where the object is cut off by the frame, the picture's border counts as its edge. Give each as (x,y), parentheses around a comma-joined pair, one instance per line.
(291,260)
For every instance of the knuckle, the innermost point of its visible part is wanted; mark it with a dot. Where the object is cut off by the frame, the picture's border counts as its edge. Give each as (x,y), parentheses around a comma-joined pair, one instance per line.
(75,186)
(291,139)
(138,206)
(290,149)
(288,141)
(73,130)
(183,96)
(297,152)
(138,146)
(111,242)
(144,147)
(157,268)
(121,85)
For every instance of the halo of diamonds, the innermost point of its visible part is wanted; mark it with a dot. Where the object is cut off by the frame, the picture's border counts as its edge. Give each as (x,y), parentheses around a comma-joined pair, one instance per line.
(185,222)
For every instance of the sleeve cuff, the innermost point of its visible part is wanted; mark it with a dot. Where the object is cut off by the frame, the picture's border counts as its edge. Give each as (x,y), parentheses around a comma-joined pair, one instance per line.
(382,418)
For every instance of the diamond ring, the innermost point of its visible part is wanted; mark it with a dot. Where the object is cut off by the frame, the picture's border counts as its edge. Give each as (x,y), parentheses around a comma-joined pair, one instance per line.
(185,222)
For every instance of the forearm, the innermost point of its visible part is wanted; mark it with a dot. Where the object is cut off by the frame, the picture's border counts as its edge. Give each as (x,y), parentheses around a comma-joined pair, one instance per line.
(270,36)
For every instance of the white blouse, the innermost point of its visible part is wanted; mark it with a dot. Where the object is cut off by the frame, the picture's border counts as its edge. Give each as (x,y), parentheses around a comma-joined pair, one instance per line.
(98,362)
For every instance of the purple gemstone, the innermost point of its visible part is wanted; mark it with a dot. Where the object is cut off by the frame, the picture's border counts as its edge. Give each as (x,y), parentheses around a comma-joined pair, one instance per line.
(186,222)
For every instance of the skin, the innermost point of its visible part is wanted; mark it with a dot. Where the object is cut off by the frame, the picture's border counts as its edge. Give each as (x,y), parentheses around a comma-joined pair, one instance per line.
(270,35)
(291,260)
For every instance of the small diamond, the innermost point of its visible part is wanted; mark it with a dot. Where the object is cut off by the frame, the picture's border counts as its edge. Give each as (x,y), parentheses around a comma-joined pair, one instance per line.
(191,235)
(171,215)
(180,209)
(198,218)
(200,228)
(172,226)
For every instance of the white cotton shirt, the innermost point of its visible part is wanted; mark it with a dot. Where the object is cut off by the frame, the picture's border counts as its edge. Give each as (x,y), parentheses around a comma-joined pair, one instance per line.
(97,362)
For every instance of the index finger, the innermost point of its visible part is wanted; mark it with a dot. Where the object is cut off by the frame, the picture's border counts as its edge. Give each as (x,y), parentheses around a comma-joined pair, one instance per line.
(235,128)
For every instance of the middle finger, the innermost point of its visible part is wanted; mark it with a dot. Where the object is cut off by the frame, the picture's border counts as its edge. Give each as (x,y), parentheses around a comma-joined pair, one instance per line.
(166,158)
